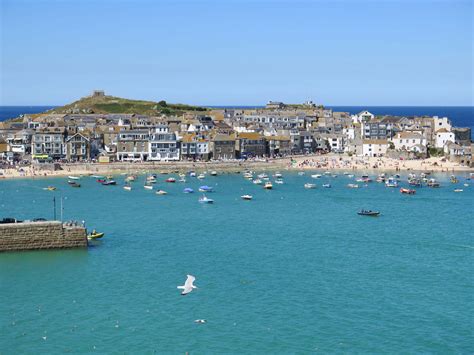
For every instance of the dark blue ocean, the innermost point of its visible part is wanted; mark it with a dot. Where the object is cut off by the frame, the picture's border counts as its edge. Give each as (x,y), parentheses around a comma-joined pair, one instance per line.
(461,116)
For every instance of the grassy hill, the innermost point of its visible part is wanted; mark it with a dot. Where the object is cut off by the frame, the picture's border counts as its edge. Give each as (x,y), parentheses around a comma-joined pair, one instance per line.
(111,104)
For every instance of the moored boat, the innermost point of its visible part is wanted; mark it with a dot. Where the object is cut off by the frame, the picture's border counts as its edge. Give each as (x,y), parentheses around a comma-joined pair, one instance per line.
(327,186)
(391,182)
(407,191)
(161,192)
(309,186)
(368,213)
(246,197)
(257,182)
(353,186)
(316,176)
(109,182)
(188,190)
(205,188)
(73,184)
(73,177)
(213,173)
(148,187)
(279,181)
(268,186)
(171,179)
(205,199)
(432,183)
(95,235)
(458,190)
(127,187)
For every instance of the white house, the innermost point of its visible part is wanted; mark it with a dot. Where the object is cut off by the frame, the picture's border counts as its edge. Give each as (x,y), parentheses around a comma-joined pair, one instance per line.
(441,122)
(443,136)
(374,147)
(409,141)
(163,145)
(362,116)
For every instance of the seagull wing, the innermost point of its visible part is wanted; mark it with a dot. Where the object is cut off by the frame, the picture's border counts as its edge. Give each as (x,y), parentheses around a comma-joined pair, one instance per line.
(189,281)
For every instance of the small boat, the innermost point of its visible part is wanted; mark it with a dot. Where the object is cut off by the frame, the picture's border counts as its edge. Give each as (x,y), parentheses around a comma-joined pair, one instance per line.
(368,213)
(246,197)
(454,179)
(74,184)
(364,178)
(268,186)
(353,186)
(151,180)
(414,182)
(316,176)
(257,182)
(130,178)
(109,182)
(127,187)
(248,176)
(188,190)
(95,235)
(301,173)
(263,176)
(309,186)
(182,179)
(201,176)
(466,185)
(458,190)
(101,180)
(327,173)
(161,192)
(170,180)
(350,176)
(327,186)
(277,175)
(213,173)
(73,177)
(192,174)
(98,176)
(148,187)
(432,183)
(205,188)
(279,181)
(391,182)
(50,188)
(407,191)
(205,199)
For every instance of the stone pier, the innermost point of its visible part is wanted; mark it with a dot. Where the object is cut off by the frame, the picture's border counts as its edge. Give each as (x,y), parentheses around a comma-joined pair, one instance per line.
(41,235)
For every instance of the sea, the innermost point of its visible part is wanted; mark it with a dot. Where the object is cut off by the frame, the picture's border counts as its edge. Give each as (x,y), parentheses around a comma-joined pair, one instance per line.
(291,271)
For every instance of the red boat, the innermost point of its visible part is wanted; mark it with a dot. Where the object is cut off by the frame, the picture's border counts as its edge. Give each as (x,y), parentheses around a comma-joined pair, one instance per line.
(170,180)
(101,180)
(407,191)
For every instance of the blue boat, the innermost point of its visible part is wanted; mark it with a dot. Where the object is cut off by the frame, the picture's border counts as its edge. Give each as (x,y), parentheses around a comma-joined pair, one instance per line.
(205,188)
(188,190)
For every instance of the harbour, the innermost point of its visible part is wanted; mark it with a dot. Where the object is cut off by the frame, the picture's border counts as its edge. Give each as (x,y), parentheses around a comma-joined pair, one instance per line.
(340,281)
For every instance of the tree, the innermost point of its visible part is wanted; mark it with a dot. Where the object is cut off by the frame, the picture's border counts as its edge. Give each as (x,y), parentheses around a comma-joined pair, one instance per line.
(162,103)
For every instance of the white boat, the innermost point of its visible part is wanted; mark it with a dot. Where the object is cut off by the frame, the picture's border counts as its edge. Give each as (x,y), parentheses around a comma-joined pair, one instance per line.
(205,199)
(309,186)
(263,176)
(148,187)
(466,185)
(301,173)
(73,177)
(327,186)
(279,181)
(192,174)
(391,182)
(127,187)
(458,190)
(353,186)
(327,173)
(246,197)
(268,186)
(182,179)
(201,176)
(213,173)
(277,175)
(316,176)
(350,176)
(257,182)
(248,176)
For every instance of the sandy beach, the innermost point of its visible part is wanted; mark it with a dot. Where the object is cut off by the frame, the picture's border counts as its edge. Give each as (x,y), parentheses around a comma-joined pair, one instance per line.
(308,162)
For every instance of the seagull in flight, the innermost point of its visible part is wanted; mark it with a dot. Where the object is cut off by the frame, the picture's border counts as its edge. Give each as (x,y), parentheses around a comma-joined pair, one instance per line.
(188,285)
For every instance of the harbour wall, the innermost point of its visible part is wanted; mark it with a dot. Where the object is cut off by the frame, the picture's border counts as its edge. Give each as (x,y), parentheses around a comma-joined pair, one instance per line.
(41,235)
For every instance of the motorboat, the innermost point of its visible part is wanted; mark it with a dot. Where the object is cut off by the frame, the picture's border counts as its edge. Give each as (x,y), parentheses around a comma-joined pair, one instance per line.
(182,179)
(171,179)
(101,180)
(257,182)
(327,186)
(127,187)
(98,176)
(148,187)
(458,190)
(213,173)
(368,213)
(433,183)
(205,188)
(414,182)
(364,179)
(109,182)
(95,235)
(50,188)
(268,186)
(407,191)
(391,182)
(353,186)
(246,197)
(130,178)
(316,176)
(248,176)
(301,173)
(205,199)
(161,192)
(277,175)
(309,186)
(192,174)
(73,184)
(73,177)
(279,181)
(188,190)
(201,176)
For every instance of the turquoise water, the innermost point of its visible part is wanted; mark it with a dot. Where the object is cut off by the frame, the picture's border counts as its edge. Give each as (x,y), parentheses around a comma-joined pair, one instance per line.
(293,271)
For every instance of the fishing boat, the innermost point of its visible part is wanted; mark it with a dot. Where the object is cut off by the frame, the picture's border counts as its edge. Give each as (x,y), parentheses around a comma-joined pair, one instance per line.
(188,190)
(316,176)
(433,183)
(171,179)
(458,190)
(95,235)
(213,173)
(327,186)
(353,186)
(391,182)
(74,184)
(246,197)
(109,182)
(309,186)
(368,213)
(205,188)
(268,186)
(50,188)
(257,182)
(161,192)
(205,199)
(407,191)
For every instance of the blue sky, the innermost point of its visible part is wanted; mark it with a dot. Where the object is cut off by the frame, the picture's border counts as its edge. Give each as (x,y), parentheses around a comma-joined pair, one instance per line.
(234,52)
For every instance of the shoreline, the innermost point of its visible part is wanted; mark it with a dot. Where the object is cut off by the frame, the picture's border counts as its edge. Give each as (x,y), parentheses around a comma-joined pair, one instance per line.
(300,163)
